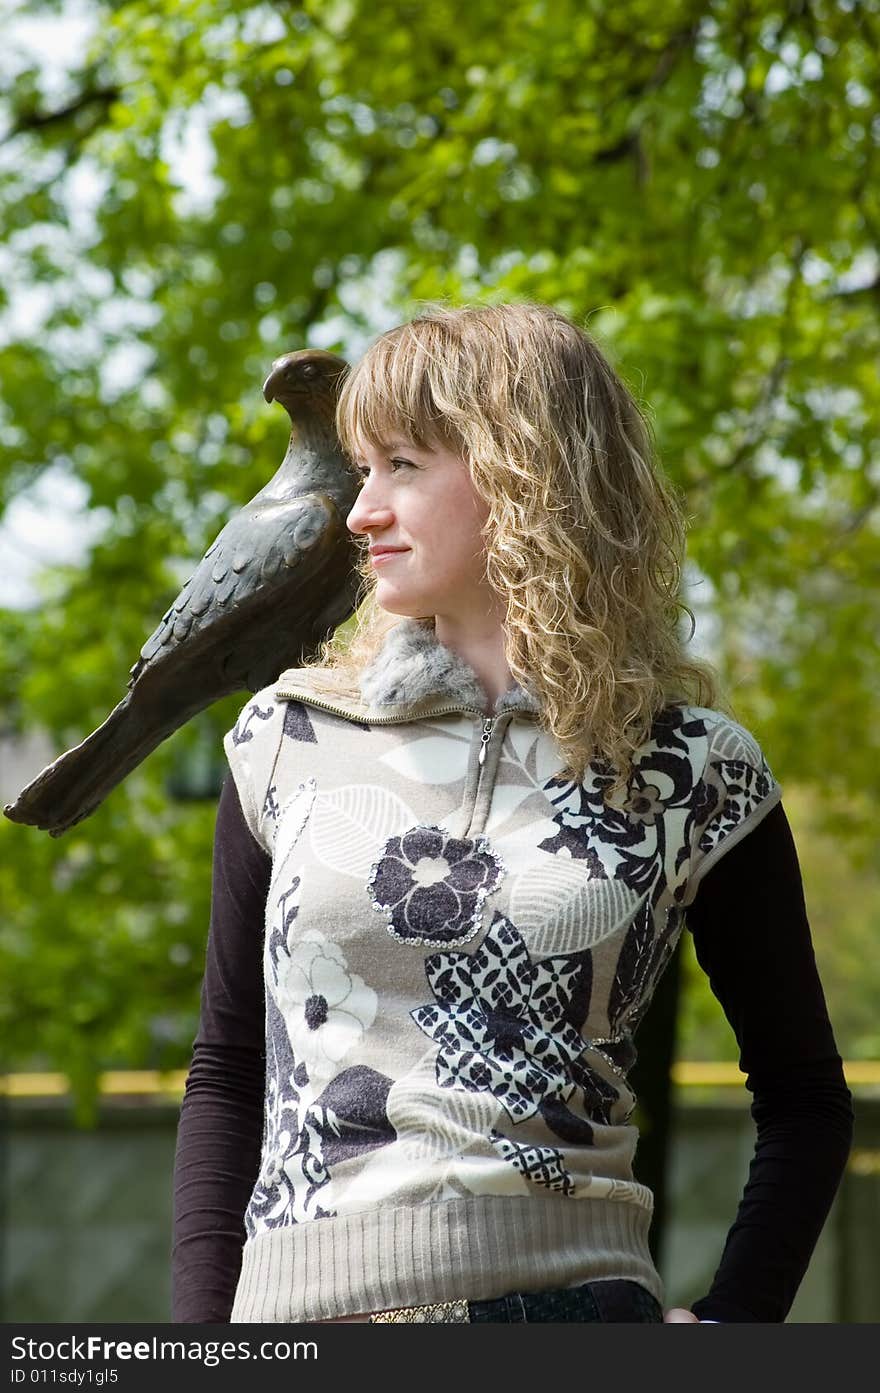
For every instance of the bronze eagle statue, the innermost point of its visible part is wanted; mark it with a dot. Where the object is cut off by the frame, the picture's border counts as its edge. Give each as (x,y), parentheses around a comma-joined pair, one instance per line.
(279,579)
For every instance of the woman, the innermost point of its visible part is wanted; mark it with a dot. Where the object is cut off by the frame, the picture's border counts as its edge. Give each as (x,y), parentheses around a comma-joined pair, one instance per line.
(463,850)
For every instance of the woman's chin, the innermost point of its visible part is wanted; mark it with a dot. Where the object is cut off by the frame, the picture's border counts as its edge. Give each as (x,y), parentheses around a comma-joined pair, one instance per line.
(398,604)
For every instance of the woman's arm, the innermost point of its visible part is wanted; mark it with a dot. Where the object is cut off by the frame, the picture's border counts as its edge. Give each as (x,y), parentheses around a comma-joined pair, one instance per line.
(752,938)
(219,1132)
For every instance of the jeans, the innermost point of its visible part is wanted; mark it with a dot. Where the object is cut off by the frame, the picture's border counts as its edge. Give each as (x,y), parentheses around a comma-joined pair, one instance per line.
(604,1301)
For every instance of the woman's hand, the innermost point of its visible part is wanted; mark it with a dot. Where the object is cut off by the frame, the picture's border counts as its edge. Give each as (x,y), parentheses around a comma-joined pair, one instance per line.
(678,1314)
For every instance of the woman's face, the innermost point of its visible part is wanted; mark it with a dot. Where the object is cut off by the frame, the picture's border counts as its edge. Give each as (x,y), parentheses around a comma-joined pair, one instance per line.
(422,500)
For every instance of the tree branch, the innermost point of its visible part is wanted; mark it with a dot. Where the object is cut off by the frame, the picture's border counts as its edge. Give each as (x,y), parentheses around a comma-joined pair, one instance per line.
(846,530)
(762,410)
(37,121)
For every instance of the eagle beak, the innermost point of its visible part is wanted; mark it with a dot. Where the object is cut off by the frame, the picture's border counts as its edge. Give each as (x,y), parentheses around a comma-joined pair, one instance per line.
(277,385)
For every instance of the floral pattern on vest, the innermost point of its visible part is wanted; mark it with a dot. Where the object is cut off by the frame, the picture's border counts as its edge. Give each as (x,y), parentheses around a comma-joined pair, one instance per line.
(459,945)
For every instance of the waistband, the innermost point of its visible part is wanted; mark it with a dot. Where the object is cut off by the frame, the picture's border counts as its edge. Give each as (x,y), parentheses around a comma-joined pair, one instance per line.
(614,1300)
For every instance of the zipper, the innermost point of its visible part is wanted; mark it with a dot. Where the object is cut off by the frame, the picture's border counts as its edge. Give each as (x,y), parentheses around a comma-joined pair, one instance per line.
(488,723)
(308,700)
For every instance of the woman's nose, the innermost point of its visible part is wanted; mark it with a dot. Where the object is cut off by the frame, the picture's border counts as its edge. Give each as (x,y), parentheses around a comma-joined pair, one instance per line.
(368,511)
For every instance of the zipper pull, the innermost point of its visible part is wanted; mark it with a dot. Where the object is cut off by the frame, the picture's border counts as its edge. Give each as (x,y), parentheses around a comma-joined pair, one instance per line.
(484,738)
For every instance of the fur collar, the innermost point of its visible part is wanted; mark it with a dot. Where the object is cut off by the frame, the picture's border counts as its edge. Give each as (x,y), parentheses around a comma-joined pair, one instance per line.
(413,664)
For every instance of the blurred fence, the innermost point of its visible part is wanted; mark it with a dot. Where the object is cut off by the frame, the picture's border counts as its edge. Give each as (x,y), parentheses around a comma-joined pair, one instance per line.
(87,1230)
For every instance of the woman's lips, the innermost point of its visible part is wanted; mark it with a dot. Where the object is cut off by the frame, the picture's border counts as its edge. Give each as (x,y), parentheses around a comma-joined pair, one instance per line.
(379,557)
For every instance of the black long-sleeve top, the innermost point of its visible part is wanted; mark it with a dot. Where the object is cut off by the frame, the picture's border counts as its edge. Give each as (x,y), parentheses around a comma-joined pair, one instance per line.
(755,948)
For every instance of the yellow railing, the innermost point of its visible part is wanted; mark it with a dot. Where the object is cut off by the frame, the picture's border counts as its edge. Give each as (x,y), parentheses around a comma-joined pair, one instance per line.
(691,1073)
(130,1083)
(115,1083)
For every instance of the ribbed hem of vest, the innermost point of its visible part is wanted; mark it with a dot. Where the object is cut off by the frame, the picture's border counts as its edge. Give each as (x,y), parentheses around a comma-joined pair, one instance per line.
(386,1258)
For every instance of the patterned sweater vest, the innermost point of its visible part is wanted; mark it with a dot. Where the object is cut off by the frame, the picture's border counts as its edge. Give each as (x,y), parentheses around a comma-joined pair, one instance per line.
(458,946)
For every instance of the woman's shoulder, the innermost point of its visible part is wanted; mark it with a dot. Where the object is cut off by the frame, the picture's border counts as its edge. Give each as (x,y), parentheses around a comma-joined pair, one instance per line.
(257,719)
(251,747)
(722,751)
(705,723)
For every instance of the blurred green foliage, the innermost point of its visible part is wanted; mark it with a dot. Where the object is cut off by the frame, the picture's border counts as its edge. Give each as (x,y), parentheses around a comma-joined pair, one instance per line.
(220,181)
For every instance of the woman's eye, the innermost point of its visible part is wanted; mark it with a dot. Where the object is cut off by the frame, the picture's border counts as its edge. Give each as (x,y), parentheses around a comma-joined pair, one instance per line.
(363,470)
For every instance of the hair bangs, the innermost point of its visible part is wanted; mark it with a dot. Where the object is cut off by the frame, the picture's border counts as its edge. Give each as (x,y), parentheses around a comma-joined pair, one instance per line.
(393,393)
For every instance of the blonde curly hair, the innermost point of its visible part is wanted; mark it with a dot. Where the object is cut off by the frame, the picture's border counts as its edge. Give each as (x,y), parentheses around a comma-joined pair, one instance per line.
(584,537)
